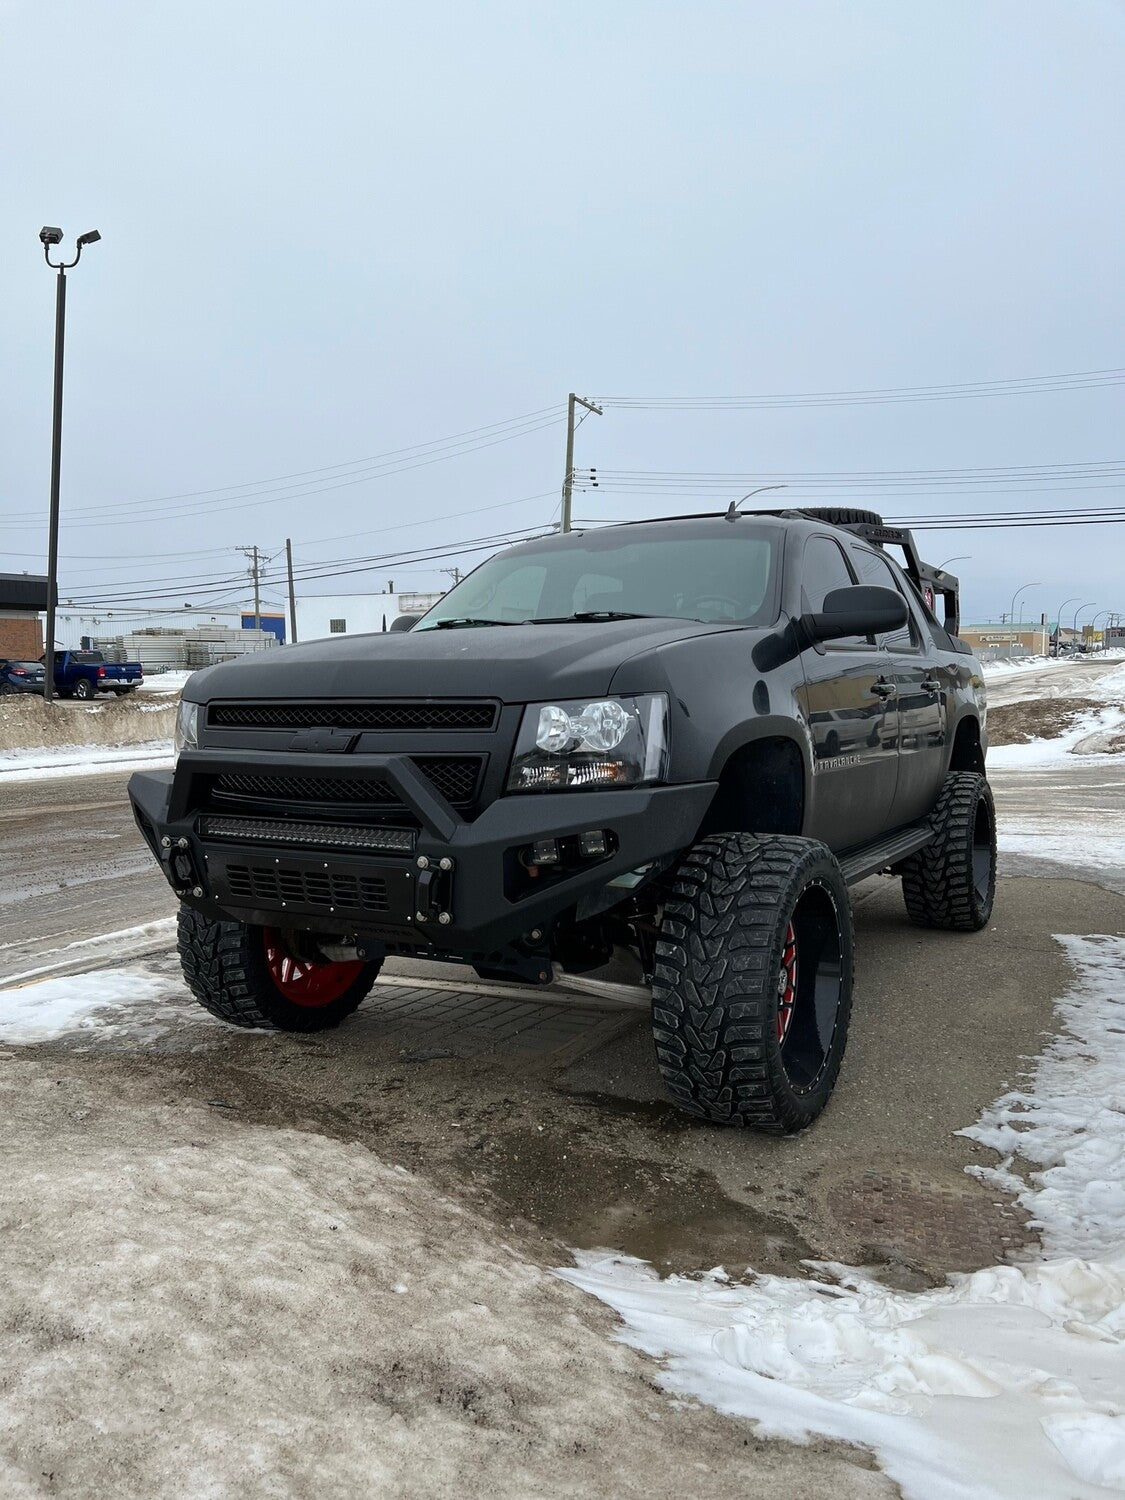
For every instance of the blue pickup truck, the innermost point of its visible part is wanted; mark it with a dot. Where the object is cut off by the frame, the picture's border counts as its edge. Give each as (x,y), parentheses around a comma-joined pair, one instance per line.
(84,674)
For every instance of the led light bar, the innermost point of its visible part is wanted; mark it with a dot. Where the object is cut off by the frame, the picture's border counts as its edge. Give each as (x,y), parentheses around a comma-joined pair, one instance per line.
(323,835)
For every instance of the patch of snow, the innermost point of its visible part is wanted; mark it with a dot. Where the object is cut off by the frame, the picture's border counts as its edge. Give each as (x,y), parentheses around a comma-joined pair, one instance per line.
(1040,754)
(164,682)
(1009,1382)
(46,763)
(105,1000)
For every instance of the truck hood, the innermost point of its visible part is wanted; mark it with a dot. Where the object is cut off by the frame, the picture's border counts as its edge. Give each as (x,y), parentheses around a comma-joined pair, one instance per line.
(514,663)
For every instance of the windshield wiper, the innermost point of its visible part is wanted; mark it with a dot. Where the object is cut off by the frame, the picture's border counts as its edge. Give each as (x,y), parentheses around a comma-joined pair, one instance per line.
(466,620)
(594,614)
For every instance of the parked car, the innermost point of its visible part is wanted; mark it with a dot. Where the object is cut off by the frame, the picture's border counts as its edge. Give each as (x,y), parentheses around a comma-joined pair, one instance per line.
(684,738)
(84,674)
(20,676)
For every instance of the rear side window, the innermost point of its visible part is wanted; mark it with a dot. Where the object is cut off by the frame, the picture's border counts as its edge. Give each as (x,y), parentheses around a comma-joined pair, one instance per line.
(878,573)
(824,568)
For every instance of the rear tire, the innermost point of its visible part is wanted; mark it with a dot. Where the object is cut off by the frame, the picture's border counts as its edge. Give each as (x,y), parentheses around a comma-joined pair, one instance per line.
(246,975)
(83,690)
(952,882)
(752,988)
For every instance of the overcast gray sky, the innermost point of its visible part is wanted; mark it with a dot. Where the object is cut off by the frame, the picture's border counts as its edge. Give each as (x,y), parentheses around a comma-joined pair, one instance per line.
(335,230)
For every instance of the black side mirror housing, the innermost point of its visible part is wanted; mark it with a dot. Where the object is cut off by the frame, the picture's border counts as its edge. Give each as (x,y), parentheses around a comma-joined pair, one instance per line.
(404,622)
(862,609)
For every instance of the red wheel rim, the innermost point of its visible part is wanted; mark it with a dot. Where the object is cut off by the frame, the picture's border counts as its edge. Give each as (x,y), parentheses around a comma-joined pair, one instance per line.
(787,984)
(301,980)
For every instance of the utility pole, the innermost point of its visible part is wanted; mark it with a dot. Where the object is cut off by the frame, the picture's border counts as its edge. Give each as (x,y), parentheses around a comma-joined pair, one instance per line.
(568,479)
(255,572)
(454,573)
(292,599)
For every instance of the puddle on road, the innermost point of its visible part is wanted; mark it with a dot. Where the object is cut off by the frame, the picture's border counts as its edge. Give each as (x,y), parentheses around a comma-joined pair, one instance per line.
(676,1218)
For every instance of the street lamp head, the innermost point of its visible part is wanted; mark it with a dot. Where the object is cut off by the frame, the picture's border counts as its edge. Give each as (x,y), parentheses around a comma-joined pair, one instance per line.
(89,237)
(50,236)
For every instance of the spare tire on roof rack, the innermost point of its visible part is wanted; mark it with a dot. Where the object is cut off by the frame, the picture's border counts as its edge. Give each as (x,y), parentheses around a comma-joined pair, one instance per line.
(838,515)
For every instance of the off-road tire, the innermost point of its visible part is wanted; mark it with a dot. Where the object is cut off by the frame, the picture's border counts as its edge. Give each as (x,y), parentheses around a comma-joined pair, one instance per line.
(716,1006)
(839,515)
(951,883)
(84,690)
(225,966)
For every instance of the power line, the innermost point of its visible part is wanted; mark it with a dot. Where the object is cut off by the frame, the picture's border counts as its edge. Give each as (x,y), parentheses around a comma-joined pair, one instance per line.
(443,451)
(955,391)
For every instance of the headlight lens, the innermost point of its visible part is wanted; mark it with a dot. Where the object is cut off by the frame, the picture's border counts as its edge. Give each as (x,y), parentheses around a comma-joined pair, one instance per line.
(609,742)
(185,736)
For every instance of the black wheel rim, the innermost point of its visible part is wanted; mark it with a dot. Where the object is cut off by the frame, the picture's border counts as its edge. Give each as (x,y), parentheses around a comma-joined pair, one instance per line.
(809,1032)
(983,854)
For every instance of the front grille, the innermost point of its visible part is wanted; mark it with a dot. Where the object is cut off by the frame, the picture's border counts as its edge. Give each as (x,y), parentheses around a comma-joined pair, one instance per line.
(319,835)
(473,714)
(455,778)
(259,884)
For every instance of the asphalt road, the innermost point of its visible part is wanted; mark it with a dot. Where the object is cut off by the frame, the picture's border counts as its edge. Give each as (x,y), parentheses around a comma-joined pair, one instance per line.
(572,1141)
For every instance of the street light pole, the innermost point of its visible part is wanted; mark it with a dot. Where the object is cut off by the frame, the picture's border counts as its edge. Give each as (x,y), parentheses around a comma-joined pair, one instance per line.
(1033,585)
(962,557)
(49,236)
(1058,627)
(1088,605)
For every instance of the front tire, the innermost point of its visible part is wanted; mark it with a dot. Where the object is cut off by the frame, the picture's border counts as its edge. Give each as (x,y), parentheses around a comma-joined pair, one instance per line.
(951,883)
(752,988)
(248,976)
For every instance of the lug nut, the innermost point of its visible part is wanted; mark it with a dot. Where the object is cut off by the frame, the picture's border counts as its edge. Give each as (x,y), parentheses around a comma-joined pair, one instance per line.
(166,842)
(419,916)
(181,843)
(535,934)
(445,864)
(444,918)
(422,862)
(197,890)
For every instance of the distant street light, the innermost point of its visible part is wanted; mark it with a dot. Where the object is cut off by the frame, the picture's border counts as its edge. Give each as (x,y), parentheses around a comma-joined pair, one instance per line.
(1034,585)
(1092,604)
(1059,620)
(49,236)
(963,557)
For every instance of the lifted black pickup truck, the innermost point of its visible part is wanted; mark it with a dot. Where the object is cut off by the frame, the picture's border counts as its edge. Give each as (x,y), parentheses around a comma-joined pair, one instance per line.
(683,737)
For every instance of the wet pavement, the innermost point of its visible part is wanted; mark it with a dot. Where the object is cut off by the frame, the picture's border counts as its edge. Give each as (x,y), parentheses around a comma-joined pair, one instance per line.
(553,1120)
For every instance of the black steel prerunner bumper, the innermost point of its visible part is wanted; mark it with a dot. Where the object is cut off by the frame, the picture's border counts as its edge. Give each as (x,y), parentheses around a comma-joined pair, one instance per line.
(446,884)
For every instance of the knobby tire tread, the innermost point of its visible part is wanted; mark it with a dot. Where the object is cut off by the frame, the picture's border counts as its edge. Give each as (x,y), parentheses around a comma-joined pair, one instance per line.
(714,986)
(937,882)
(224,966)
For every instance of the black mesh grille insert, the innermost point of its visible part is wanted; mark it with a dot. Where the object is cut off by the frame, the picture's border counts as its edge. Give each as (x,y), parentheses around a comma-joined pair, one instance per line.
(479,715)
(263,885)
(454,777)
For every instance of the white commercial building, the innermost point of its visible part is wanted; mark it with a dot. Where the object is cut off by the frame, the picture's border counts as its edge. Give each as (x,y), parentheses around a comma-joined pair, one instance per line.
(320,615)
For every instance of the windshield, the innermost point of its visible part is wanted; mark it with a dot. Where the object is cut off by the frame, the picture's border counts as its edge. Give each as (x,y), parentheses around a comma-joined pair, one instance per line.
(676,572)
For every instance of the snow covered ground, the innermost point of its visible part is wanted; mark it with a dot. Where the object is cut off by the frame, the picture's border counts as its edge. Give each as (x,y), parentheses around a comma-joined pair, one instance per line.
(48,762)
(1007,1383)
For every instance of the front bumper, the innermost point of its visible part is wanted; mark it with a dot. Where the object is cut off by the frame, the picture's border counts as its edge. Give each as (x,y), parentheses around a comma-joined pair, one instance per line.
(459,889)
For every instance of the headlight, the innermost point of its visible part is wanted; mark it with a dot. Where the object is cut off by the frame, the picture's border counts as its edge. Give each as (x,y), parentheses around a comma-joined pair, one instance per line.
(610,742)
(185,736)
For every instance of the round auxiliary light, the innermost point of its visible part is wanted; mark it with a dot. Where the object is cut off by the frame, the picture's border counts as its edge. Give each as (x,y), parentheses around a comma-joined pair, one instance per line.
(602,726)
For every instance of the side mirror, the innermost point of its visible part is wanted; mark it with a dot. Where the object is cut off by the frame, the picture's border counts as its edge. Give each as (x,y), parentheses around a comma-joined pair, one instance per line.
(859,610)
(404,622)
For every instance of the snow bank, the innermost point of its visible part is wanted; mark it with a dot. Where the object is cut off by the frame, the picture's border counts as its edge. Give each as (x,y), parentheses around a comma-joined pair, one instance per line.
(1006,1383)
(40,741)
(45,763)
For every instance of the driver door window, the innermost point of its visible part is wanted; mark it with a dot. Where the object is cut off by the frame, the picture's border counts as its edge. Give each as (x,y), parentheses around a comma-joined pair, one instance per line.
(824,568)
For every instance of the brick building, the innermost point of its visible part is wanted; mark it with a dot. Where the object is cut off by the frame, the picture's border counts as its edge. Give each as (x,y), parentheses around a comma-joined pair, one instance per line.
(22,597)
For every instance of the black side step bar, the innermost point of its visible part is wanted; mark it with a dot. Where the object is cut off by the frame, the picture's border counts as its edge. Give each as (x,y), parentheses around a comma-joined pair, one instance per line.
(876,857)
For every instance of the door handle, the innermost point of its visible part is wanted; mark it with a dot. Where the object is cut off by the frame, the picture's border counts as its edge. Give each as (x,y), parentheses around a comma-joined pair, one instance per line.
(930,685)
(883,688)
